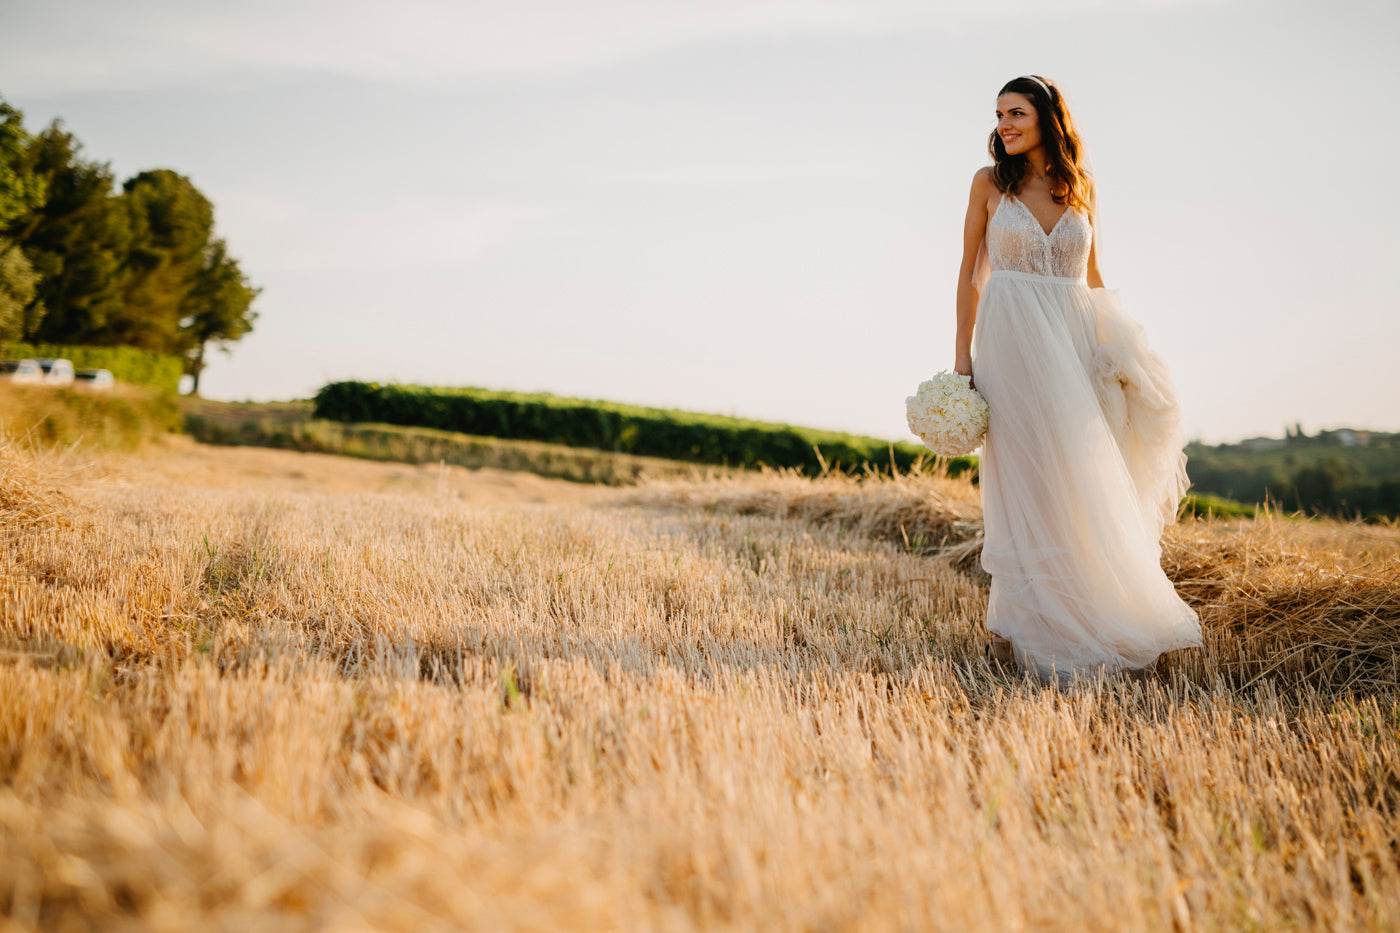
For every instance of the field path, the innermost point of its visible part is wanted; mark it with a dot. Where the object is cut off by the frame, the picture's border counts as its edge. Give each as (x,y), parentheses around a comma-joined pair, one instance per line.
(183,462)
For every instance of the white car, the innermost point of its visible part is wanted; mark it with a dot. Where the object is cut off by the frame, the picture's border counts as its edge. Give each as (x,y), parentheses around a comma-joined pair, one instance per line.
(96,379)
(57,372)
(23,371)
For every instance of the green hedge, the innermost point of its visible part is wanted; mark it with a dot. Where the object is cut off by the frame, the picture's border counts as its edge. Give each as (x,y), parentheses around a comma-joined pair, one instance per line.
(127,364)
(648,432)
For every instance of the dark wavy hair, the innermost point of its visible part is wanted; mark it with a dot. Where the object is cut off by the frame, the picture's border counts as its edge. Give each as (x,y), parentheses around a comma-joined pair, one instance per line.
(1070,181)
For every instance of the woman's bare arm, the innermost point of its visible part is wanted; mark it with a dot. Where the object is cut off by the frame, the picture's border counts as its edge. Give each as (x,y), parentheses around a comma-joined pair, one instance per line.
(974,230)
(1095,277)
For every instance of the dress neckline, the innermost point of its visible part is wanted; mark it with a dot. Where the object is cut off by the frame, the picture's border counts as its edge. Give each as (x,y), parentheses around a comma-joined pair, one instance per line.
(1053,227)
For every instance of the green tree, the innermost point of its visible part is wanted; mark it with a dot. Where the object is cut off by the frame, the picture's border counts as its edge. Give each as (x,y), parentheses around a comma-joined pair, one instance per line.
(1319,487)
(21,189)
(18,283)
(80,264)
(21,192)
(171,224)
(77,240)
(217,309)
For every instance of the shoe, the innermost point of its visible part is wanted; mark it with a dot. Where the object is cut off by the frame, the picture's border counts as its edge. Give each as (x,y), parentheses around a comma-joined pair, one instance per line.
(1140,674)
(999,652)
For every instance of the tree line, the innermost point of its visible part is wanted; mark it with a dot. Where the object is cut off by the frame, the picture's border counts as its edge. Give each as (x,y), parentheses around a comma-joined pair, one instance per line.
(85,262)
(1319,475)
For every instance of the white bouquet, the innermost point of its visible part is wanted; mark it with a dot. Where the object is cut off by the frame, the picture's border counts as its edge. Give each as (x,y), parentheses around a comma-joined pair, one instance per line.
(948,414)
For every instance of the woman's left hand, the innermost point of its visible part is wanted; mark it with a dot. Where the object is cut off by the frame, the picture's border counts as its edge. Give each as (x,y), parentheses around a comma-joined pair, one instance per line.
(964,367)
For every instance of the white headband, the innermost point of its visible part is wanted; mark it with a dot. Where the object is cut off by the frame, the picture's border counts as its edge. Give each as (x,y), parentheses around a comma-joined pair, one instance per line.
(1041,83)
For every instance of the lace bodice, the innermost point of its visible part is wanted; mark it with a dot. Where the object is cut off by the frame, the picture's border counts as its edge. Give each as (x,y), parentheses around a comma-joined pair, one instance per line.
(1015,241)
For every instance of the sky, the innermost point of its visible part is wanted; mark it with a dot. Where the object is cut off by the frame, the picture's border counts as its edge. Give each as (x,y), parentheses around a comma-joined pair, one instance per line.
(751,207)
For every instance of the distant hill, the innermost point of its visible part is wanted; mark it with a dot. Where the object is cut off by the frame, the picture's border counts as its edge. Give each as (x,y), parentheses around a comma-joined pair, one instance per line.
(1347,472)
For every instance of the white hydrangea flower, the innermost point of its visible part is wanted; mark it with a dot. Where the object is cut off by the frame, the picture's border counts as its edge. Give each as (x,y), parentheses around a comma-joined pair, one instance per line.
(948,414)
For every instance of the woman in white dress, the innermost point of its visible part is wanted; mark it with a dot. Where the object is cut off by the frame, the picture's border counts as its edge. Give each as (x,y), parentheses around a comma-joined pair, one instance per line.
(1082,465)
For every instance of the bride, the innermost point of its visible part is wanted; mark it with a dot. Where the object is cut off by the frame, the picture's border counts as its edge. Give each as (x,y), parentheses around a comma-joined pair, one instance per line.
(1082,465)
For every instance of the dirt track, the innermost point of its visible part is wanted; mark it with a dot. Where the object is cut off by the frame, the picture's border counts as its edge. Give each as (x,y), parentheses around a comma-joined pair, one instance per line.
(182,462)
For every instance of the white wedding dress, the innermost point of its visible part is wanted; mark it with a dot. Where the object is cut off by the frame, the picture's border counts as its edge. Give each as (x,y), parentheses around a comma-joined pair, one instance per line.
(1082,465)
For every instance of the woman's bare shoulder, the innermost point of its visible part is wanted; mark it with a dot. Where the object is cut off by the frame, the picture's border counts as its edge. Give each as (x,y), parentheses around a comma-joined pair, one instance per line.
(984,190)
(984,187)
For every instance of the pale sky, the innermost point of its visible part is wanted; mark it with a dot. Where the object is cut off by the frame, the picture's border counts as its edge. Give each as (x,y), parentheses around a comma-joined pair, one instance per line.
(751,207)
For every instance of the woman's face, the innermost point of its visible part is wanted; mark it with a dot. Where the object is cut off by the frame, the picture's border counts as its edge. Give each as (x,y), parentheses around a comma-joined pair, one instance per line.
(1018,124)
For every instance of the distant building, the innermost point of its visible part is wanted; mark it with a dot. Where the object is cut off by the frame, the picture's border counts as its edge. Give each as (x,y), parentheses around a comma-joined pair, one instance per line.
(1262,443)
(1349,438)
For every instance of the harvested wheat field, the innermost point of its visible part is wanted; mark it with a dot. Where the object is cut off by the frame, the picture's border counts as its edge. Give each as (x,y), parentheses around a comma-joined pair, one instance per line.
(237,697)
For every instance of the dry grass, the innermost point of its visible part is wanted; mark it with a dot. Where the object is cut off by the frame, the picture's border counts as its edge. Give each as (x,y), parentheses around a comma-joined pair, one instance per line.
(751,703)
(1315,604)
(123,418)
(179,461)
(1277,602)
(927,513)
(29,497)
(289,426)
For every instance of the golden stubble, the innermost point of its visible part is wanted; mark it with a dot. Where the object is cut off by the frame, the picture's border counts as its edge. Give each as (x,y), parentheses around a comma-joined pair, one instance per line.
(752,702)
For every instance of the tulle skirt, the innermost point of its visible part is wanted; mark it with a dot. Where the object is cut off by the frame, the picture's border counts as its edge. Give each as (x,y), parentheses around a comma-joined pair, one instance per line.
(1081,468)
